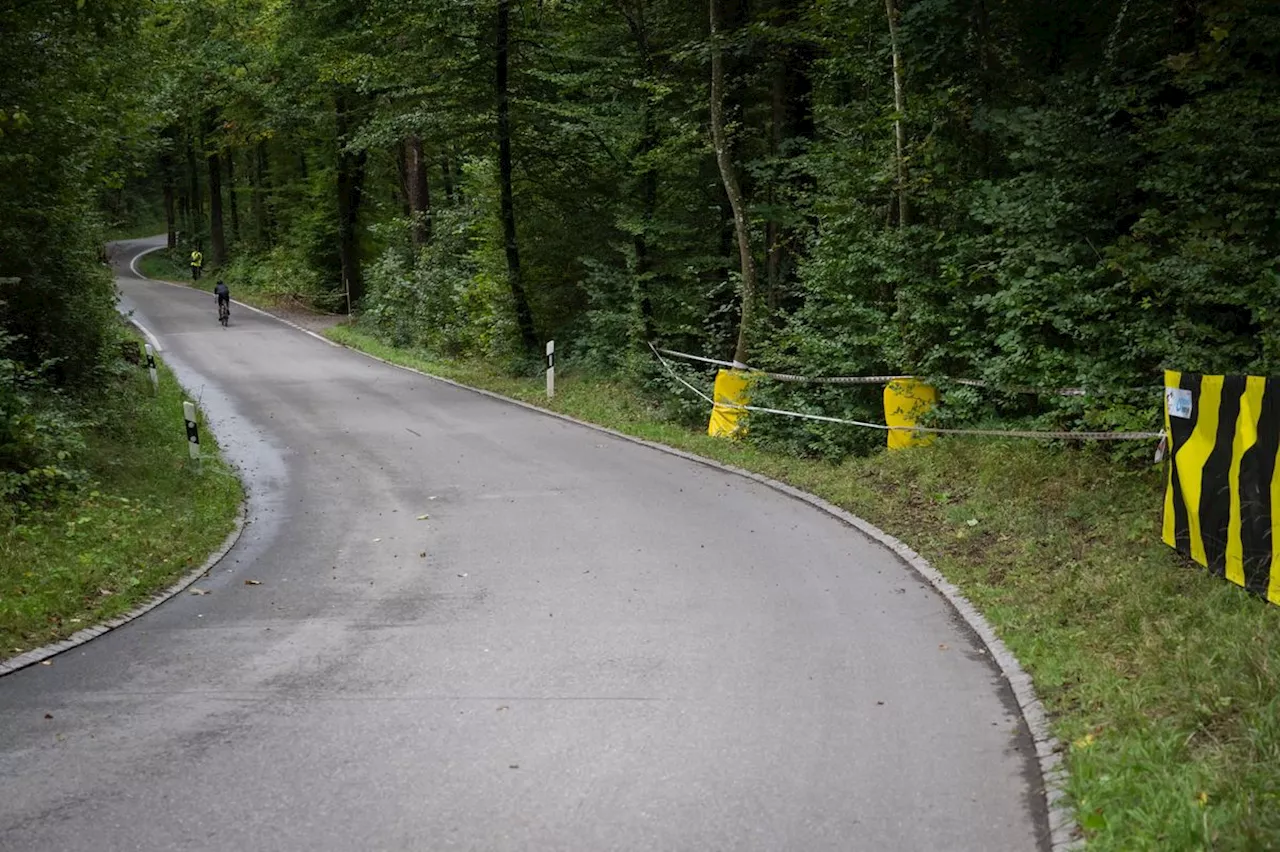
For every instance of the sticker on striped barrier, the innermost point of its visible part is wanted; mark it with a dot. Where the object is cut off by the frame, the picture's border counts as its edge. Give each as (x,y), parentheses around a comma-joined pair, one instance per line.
(1222,496)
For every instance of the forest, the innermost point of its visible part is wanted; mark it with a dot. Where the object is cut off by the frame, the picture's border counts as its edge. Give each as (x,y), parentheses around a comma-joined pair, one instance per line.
(1031,194)
(1002,198)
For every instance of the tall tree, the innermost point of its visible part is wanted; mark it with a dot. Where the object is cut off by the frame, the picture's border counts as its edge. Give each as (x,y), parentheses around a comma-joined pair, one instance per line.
(351,176)
(232,196)
(732,187)
(524,315)
(217,234)
(899,108)
(418,190)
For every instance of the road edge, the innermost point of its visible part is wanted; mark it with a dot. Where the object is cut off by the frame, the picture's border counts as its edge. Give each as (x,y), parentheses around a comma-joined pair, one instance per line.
(75,640)
(88,634)
(1064,833)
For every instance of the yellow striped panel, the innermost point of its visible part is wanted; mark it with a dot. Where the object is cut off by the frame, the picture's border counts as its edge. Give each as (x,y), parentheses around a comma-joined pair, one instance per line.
(1192,456)
(1172,379)
(1246,435)
(1273,587)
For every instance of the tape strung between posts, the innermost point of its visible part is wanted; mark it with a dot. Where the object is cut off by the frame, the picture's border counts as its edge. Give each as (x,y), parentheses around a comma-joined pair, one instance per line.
(881,380)
(990,433)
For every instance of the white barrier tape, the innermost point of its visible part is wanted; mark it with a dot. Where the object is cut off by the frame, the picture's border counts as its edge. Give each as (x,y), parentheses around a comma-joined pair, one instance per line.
(882,380)
(989,433)
(689,357)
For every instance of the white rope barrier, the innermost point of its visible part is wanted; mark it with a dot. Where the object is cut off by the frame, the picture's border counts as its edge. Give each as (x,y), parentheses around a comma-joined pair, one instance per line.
(990,433)
(880,380)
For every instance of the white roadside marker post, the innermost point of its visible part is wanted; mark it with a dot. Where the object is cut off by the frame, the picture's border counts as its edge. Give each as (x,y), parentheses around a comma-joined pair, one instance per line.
(151,368)
(551,369)
(193,434)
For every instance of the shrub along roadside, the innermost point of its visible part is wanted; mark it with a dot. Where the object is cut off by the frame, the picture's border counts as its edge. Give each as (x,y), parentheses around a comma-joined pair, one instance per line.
(168,266)
(165,265)
(141,519)
(1164,682)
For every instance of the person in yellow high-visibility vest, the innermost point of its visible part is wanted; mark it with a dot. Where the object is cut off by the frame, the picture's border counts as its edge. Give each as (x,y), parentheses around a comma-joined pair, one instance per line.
(197,261)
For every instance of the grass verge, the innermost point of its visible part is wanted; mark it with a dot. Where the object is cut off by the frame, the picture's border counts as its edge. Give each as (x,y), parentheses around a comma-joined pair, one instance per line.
(145,519)
(165,266)
(1162,681)
(148,226)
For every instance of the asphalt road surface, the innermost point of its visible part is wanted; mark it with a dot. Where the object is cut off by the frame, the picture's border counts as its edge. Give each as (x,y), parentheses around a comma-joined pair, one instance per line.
(588,645)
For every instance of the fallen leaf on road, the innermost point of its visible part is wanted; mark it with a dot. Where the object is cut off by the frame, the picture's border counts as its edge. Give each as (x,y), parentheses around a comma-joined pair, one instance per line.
(199,591)
(422,555)
(253,582)
(46,662)
(424,517)
(462,575)
(48,715)
(943,647)
(376,540)
(515,766)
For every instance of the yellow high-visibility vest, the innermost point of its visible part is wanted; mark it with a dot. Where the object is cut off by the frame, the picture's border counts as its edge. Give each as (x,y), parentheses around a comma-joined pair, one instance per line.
(197,259)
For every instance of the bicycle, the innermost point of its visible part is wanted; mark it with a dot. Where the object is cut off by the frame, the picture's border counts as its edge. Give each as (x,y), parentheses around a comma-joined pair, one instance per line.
(224,313)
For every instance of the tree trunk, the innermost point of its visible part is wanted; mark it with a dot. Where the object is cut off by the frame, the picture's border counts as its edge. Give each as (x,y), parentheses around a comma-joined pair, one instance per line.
(648,208)
(731,187)
(351,171)
(184,215)
(170,213)
(231,196)
(261,185)
(773,228)
(170,218)
(446,173)
(899,107)
(419,190)
(196,225)
(402,171)
(217,237)
(648,178)
(524,315)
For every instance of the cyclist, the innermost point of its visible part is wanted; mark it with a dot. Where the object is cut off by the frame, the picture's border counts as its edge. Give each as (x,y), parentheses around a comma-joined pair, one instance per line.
(223,296)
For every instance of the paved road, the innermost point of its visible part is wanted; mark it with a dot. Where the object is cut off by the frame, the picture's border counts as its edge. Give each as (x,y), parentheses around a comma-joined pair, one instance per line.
(603,648)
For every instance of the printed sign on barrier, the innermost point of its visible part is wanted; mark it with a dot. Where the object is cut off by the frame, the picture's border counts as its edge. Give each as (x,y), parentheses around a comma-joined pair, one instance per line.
(1224,481)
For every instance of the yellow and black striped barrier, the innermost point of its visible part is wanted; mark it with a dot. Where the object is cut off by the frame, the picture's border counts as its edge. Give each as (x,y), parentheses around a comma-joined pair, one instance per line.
(1222,500)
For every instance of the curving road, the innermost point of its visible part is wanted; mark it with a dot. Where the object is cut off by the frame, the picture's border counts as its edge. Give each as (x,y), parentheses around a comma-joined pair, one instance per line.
(589,645)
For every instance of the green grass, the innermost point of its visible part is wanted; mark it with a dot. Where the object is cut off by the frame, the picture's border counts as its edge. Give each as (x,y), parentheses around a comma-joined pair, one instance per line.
(169,266)
(163,266)
(146,519)
(1163,682)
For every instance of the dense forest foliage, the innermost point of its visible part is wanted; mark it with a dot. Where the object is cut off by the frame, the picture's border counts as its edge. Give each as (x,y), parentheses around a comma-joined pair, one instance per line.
(1029,193)
(74,123)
